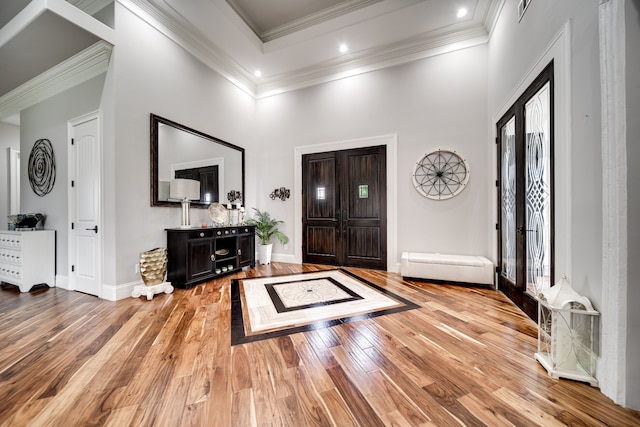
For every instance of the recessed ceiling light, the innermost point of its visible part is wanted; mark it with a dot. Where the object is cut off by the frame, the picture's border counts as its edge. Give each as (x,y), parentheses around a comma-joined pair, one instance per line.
(343,48)
(462,12)
(257,73)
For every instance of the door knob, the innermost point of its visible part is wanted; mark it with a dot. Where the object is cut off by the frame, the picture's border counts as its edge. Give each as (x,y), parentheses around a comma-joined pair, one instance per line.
(523,230)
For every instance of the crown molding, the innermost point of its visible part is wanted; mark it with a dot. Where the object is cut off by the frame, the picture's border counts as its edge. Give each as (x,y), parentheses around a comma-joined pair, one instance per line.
(424,46)
(317,18)
(192,41)
(81,67)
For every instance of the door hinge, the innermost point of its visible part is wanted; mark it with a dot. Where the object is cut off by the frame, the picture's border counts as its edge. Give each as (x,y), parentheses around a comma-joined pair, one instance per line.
(497,183)
(497,269)
(497,140)
(73,183)
(72,225)
(73,268)
(73,141)
(497,228)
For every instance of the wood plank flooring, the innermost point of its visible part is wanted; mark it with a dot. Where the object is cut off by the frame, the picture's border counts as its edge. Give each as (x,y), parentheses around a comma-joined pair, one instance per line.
(464,358)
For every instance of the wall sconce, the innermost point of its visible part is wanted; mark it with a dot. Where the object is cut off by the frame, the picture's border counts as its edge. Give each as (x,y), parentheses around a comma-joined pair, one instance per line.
(280,193)
(232,196)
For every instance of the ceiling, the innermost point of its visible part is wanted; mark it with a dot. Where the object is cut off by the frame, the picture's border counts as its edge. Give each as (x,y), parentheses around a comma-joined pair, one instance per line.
(293,43)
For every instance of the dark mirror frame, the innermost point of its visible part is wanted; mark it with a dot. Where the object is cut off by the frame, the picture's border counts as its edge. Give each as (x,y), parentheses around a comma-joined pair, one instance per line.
(155,121)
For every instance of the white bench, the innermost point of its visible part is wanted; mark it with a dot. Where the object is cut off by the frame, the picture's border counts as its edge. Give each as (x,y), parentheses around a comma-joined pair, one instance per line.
(447,268)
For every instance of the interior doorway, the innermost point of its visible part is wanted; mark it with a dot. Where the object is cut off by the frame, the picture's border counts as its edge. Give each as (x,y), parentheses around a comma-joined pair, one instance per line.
(85,179)
(344,207)
(525,146)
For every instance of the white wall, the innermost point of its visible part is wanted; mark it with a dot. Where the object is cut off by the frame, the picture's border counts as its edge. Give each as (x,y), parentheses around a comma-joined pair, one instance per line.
(632,16)
(439,102)
(9,138)
(48,119)
(153,75)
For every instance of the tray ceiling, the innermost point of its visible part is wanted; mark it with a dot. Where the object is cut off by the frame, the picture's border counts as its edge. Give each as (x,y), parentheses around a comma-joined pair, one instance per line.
(293,44)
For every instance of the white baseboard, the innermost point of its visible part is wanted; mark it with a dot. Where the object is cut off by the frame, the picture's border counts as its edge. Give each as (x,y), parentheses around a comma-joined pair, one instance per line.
(109,292)
(118,292)
(287,258)
(62,282)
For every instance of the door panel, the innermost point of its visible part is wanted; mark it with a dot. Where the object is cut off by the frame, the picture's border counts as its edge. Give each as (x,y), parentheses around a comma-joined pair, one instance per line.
(199,255)
(364,207)
(525,188)
(84,172)
(320,224)
(344,208)
(538,191)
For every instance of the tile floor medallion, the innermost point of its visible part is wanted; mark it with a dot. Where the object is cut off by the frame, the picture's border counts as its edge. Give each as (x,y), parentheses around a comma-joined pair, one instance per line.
(266,307)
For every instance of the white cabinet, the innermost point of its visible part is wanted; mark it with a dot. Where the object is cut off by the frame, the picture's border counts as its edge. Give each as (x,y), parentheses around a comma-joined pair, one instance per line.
(27,258)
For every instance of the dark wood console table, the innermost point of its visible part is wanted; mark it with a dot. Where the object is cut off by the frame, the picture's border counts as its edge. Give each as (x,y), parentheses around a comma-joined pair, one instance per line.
(200,254)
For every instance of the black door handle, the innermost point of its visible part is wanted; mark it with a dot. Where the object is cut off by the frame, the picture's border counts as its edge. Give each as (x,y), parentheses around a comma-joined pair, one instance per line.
(522,230)
(94,229)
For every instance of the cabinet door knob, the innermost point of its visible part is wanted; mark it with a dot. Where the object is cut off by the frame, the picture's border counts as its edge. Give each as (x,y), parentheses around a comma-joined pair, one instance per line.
(239,251)
(213,257)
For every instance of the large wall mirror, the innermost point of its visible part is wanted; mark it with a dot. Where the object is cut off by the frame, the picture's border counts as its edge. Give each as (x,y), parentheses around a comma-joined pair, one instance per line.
(178,151)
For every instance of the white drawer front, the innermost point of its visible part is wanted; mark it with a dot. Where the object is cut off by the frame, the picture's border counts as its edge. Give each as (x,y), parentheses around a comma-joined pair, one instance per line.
(11,241)
(8,256)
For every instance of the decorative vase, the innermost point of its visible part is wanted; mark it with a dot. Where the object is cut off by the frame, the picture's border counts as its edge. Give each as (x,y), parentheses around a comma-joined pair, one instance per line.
(264,253)
(153,266)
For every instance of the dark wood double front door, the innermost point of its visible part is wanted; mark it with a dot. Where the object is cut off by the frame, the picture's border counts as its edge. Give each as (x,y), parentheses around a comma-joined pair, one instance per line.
(344,207)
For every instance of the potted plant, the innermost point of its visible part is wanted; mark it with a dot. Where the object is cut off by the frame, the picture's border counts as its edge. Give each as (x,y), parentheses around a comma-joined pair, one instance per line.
(266,228)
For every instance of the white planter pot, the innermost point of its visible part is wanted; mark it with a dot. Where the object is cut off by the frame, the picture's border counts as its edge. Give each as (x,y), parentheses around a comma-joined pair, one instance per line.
(264,253)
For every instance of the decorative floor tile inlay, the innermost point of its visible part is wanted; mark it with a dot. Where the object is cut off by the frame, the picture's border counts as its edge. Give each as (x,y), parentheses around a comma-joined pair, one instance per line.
(265,307)
(300,294)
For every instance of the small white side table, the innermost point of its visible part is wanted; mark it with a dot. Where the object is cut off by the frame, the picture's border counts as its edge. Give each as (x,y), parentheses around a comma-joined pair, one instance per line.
(150,291)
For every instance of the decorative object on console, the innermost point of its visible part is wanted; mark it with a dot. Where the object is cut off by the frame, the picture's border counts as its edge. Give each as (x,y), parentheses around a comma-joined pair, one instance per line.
(153,268)
(280,193)
(441,174)
(28,221)
(42,167)
(241,215)
(233,196)
(185,190)
(219,214)
(266,228)
(566,333)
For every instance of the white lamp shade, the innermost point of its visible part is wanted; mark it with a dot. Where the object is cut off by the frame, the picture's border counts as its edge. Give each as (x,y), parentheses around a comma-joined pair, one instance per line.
(181,188)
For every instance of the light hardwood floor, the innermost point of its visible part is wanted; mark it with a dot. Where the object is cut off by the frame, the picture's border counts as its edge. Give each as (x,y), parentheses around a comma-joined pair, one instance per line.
(464,358)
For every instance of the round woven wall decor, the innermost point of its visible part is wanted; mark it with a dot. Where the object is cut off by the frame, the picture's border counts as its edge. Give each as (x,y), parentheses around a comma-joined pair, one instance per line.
(42,167)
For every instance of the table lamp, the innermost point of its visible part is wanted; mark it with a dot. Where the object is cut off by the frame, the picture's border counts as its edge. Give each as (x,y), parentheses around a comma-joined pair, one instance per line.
(184,190)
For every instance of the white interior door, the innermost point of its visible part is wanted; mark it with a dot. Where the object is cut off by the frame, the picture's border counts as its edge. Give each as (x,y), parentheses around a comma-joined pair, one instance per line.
(85,242)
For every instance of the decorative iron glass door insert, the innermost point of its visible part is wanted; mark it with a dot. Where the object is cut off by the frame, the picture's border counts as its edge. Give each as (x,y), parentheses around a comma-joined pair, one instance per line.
(525,194)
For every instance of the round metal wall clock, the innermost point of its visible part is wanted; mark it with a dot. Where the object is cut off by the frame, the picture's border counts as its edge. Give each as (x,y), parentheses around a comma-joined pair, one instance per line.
(441,174)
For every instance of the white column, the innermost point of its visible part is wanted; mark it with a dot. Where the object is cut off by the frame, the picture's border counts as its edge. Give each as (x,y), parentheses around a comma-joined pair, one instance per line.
(612,369)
